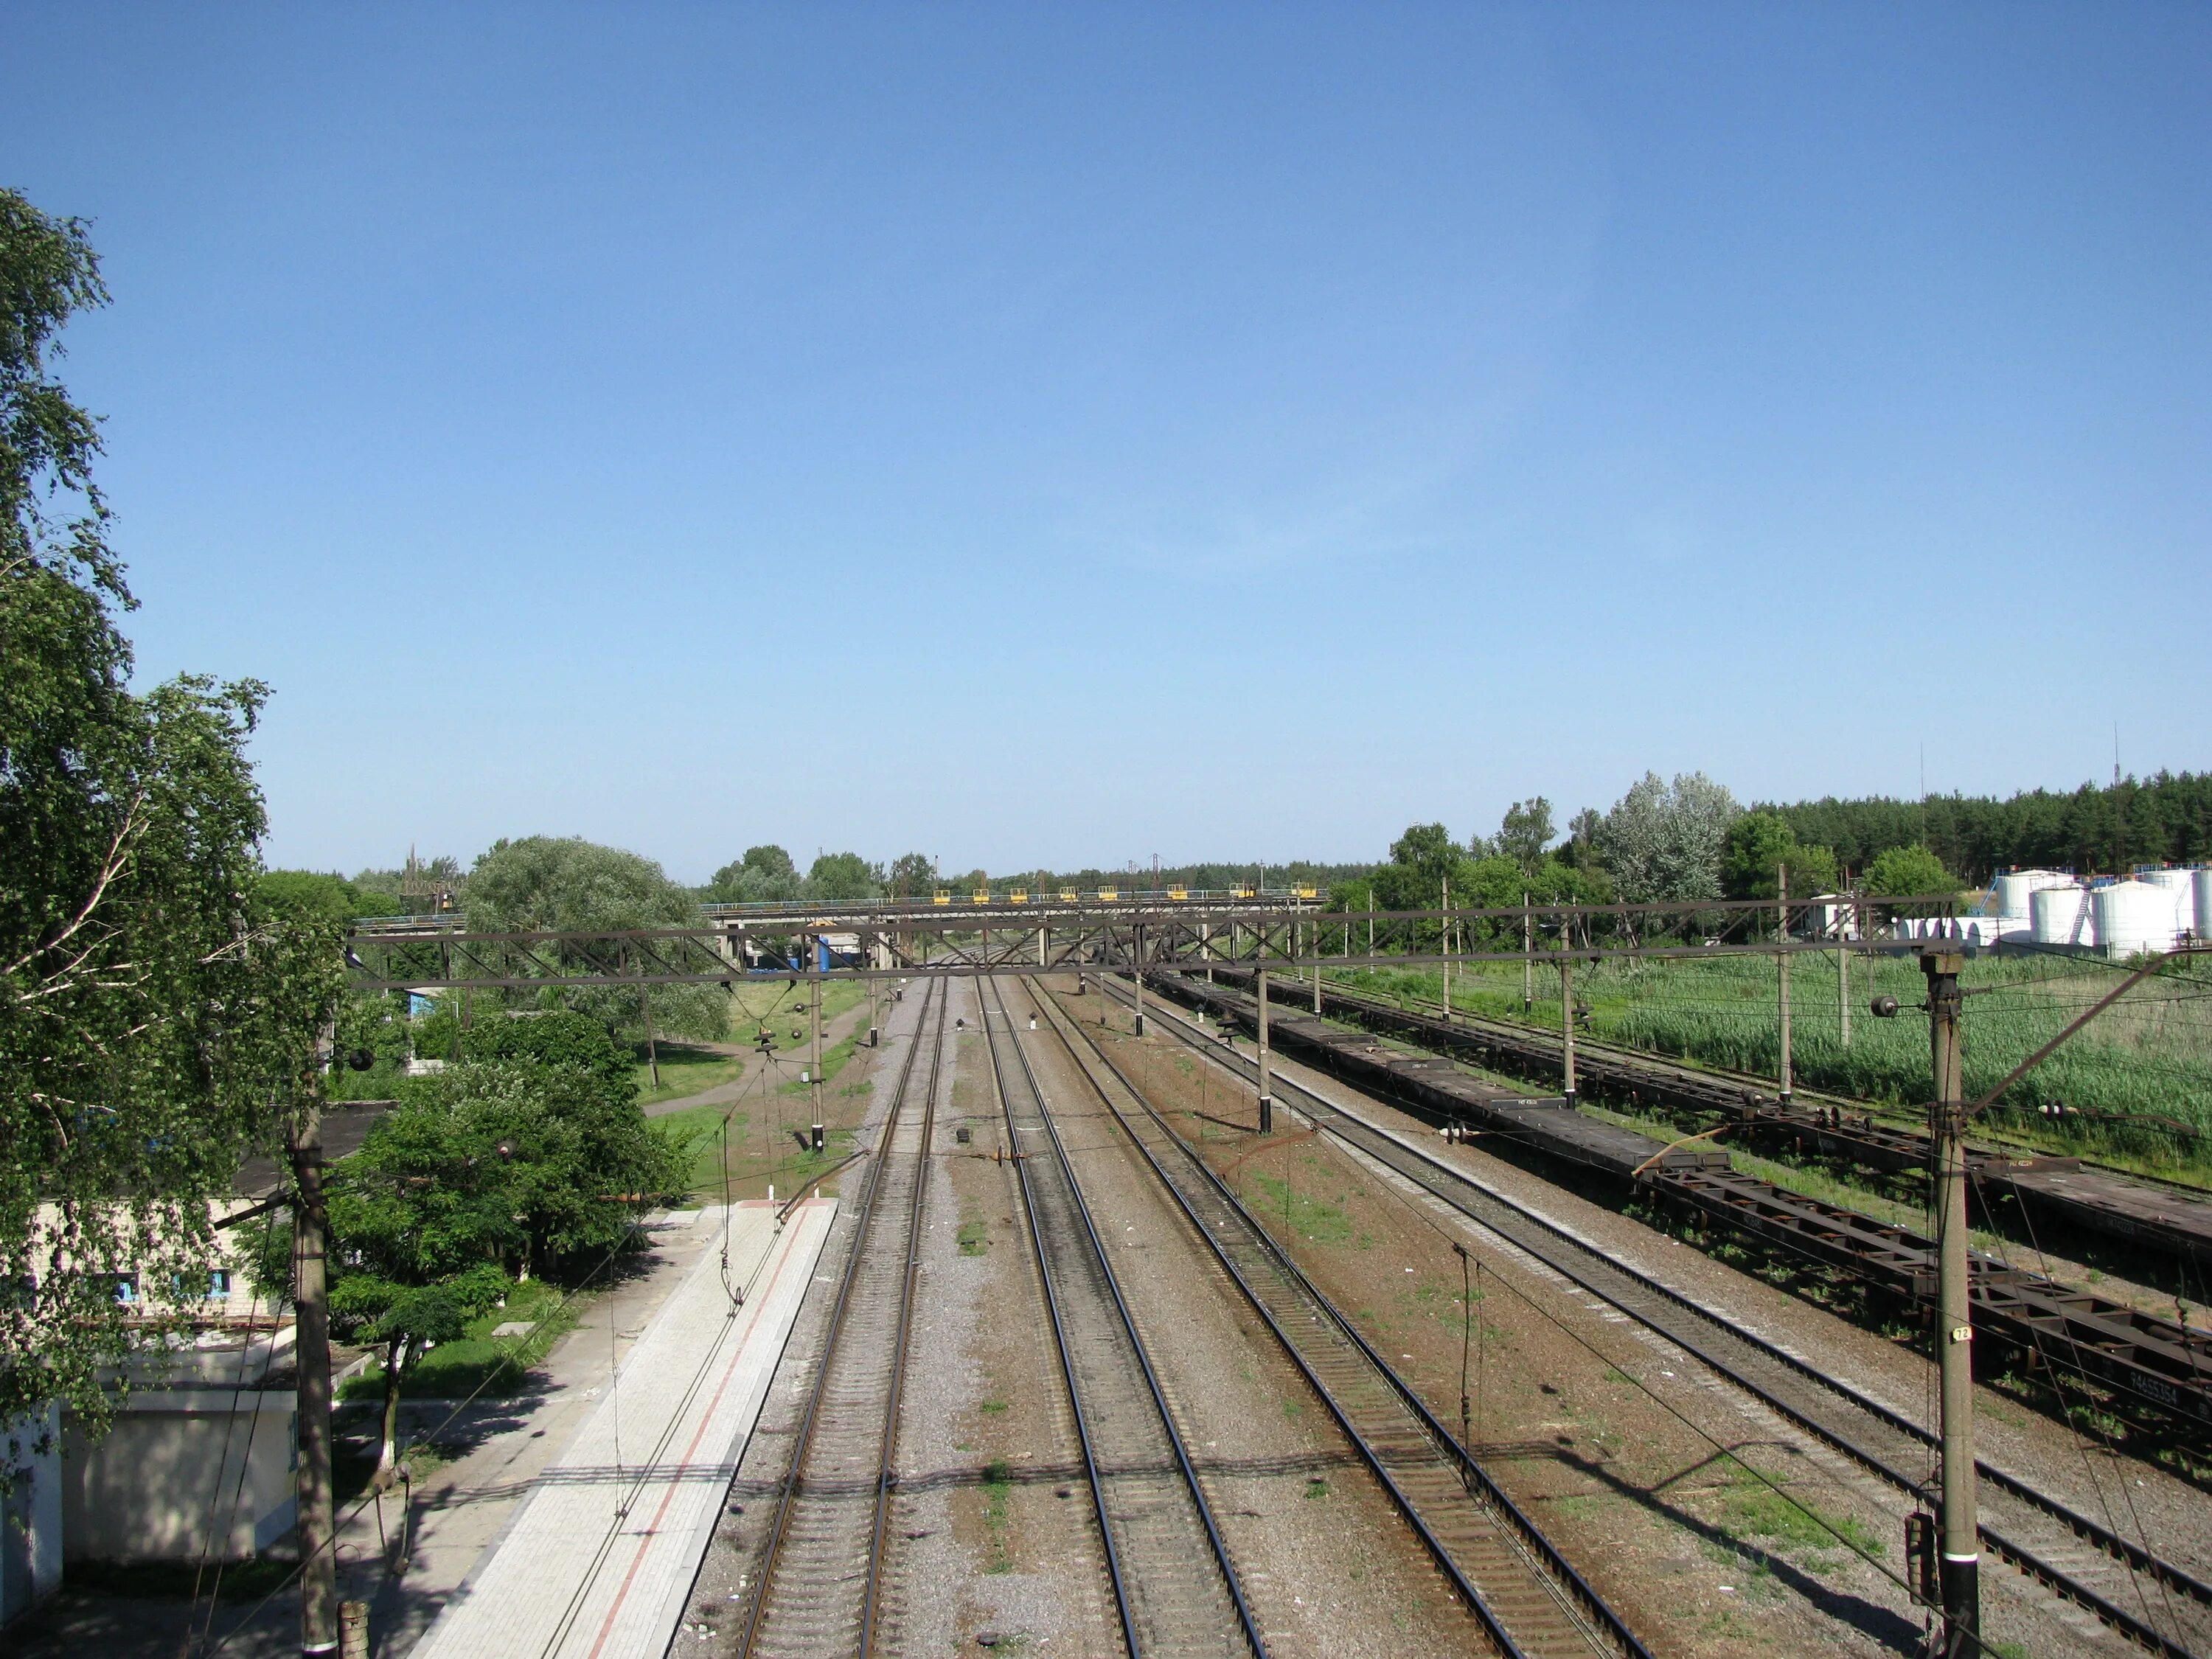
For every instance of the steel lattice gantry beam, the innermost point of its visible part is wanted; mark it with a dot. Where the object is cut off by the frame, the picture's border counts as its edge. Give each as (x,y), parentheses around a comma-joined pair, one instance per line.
(1089,938)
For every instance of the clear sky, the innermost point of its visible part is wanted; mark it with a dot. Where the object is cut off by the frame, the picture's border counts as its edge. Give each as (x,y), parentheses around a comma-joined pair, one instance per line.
(1057,434)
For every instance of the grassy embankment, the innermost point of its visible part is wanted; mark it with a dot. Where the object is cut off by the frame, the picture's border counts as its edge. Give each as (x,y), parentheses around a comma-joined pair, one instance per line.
(2152,1052)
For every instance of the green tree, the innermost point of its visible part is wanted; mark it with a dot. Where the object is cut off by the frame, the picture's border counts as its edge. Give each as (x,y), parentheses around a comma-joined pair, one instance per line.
(1526,832)
(564,885)
(843,878)
(1663,842)
(522,1164)
(1908,872)
(1421,861)
(155,1017)
(1760,845)
(764,875)
(310,894)
(912,875)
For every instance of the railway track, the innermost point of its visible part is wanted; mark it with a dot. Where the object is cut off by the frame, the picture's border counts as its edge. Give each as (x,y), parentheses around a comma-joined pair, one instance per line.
(1176,1590)
(2155,1603)
(2151,1370)
(2169,1219)
(819,1588)
(1530,1600)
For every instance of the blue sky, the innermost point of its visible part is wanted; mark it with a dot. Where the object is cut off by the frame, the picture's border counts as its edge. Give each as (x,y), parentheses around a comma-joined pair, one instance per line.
(1060,434)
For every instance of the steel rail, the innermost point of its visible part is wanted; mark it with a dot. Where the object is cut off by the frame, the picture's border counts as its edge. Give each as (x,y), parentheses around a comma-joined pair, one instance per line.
(788,1497)
(1586,1621)
(1127,1323)
(1695,1086)
(1583,1265)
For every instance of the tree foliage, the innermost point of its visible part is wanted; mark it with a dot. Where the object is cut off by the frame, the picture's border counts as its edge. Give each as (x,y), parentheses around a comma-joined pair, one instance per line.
(2166,818)
(156,1018)
(912,875)
(1906,872)
(566,884)
(1760,845)
(843,878)
(764,875)
(1526,832)
(1662,841)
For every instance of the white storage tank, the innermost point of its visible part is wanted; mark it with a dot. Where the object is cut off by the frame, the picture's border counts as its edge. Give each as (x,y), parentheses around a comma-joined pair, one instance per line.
(2061,915)
(2180,888)
(2204,904)
(2017,887)
(2132,917)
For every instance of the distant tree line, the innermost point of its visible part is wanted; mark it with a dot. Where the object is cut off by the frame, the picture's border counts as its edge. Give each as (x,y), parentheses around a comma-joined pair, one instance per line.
(2166,818)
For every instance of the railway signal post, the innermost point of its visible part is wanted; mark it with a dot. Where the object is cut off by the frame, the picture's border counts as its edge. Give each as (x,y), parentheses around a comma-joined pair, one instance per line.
(1961,1543)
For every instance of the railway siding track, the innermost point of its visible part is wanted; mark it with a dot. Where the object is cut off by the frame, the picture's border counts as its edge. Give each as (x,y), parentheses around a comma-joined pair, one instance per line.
(2152,1369)
(2164,1217)
(1174,1586)
(2154,1603)
(1526,1596)
(819,1587)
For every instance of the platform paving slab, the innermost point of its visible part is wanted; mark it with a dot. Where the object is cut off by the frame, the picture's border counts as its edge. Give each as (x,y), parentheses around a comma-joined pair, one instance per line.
(598,1561)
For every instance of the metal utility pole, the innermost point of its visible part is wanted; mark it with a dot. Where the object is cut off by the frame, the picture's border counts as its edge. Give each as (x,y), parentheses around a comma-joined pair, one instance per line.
(1782,964)
(1846,927)
(1267,1097)
(1446,942)
(645,1015)
(815,1136)
(318,1575)
(1954,1336)
(1567,1007)
(1527,957)
(1137,950)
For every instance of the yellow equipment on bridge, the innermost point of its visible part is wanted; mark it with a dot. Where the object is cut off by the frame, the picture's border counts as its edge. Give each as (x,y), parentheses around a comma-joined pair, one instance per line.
(1108,894)
(940,897)
(1178,892)
(1020,895)
(1067,895)
(1305,892)
(981,895)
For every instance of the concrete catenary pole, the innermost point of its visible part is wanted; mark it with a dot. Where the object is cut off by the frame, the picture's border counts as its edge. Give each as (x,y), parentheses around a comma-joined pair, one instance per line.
(1782,966)
(318,1521)
(1960,1571)
(1266,1091)
(1567,1005)
(1527,957)
(1137,970)
(815,1135)
(1443,937)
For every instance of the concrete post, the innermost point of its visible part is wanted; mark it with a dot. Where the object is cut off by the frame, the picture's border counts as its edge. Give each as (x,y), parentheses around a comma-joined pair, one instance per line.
(1267,1087)
(1960,1567)
(816,1136)
(319,1580)
(1782,963)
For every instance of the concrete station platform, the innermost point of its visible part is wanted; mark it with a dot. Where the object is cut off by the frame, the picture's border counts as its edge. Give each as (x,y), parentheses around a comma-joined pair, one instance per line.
(598,1563)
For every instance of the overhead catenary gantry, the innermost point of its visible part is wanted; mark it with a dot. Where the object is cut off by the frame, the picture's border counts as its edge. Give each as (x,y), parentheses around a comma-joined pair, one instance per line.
(903,941)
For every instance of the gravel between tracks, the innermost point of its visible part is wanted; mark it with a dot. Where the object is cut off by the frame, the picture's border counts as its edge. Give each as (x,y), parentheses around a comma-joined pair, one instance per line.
(1328,1565)
(1636,1497)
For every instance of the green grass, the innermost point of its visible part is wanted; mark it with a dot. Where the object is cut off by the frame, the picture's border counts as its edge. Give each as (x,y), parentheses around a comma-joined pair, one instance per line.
(974,1237)
(785,1009)
(453,1369)
(1322,1222)
(685,1069)
(703,1127)
(2151,1052)
(1751,1509)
